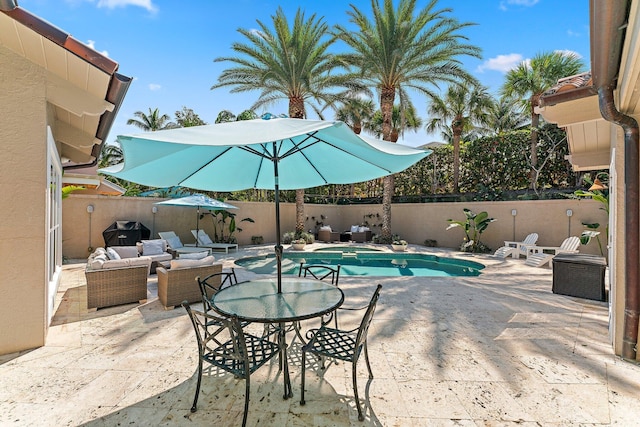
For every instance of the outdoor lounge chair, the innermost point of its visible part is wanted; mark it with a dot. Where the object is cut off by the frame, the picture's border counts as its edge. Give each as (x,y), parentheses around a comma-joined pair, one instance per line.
(537,256)
(346,345)
(175,244)
(204,241)
(515,249)
(325,234)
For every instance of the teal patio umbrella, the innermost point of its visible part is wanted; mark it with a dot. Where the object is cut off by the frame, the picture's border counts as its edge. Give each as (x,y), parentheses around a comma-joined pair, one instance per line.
(197,201)
(276,154)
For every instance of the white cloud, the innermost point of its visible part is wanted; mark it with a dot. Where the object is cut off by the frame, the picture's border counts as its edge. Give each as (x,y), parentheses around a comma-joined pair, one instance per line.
(154,86)
(92,45)
(572,33)
(526,3)
(112,4)
(568,52)
(502,63)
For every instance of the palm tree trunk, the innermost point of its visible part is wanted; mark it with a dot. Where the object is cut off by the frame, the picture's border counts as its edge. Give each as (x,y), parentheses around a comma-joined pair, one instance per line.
(299,211)
(457,134)
(386,107)
(296,111)
(535,122)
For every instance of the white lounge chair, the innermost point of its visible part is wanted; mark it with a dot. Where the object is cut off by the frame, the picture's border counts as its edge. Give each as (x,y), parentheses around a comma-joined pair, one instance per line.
(537,256)
(175,244)
(204,241)
(515,249)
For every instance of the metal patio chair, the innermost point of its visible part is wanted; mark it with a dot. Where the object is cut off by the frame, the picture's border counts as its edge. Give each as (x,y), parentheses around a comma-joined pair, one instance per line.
(326,273)
(229,348)
(346,345)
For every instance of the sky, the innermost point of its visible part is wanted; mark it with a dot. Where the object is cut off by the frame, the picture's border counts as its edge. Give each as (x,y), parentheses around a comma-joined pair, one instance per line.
(169,47)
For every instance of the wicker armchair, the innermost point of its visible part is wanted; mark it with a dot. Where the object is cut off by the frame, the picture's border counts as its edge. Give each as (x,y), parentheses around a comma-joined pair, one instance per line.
(179,284)
(115,286)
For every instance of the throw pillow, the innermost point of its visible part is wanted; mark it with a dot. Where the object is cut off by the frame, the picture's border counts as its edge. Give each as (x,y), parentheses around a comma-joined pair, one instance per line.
(326,227)
(194,255)
(126,251)
(152,247)
(184,263)
(360,229)
(354,228)
(174,242)
(112,254)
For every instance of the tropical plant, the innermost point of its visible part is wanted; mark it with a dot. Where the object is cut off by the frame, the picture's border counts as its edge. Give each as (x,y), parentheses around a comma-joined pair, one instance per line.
(219,218)
(286,62)
(462,109)
(187,118)
(473,226)
(394,50)
(68,189)
(151,122)
(247,115)
(531,79)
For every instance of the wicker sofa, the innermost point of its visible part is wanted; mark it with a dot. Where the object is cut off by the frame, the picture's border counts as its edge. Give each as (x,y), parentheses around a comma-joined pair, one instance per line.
(116,281)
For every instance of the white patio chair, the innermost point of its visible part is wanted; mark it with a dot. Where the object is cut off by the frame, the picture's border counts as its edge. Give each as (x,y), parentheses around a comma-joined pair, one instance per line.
(537,256)
(515,249)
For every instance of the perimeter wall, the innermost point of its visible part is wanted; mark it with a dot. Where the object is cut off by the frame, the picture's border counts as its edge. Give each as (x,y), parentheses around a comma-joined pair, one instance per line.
(414,222)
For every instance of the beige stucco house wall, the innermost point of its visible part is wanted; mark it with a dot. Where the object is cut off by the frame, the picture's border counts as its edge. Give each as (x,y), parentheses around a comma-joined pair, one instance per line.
(58,99)
(23,180)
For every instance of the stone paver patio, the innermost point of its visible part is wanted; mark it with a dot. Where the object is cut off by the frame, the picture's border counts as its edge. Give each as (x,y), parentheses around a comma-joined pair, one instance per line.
(495,350)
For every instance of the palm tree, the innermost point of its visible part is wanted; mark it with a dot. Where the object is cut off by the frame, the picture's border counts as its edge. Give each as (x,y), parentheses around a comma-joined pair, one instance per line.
(401,120)
(401,49)
(110,155)
(529,80)
(356,112)
(461,110)
(151,122)
(291,63)
(505,115)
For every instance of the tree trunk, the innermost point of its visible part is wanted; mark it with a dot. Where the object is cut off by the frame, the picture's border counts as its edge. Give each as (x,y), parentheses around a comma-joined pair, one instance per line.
(300,211)
(296,111)
(386,107)
(456,127)
(535,122)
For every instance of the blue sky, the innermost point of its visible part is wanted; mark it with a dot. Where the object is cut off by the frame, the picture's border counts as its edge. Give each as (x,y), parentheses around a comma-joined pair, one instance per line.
(168,47)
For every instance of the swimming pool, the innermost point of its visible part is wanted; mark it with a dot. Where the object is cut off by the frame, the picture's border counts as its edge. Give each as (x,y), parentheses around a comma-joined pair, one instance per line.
(366,263)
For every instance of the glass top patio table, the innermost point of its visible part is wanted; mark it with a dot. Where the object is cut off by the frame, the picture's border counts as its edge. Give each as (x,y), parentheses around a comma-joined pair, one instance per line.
(259,301)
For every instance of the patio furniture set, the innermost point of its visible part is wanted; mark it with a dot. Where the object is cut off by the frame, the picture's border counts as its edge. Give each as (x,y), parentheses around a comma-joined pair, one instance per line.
(230,306)
(118,274)
(356,234)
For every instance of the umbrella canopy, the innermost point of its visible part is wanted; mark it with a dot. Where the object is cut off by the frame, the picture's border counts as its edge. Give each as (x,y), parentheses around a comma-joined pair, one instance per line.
(197,201)
(273,154)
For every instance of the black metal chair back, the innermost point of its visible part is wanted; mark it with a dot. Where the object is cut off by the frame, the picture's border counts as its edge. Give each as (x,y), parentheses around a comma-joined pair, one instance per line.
(325,273)
(344,345)
(211,284)
(228,348)
(320,272)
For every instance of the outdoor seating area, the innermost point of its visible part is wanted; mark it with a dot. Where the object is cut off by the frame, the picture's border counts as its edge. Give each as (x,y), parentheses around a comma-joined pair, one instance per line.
(495,349)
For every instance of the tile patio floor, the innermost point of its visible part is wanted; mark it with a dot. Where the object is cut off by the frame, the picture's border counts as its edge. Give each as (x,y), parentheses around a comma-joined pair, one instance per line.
(495,350)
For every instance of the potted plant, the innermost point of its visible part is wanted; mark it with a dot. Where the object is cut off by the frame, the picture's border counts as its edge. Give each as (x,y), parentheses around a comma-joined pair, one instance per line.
(399,245)
(298,244)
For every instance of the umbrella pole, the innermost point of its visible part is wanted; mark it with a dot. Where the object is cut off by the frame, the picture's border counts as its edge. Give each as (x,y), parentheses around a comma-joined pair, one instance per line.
(278,248)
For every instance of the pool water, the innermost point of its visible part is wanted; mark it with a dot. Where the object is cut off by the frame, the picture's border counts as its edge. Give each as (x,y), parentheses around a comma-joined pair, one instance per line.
(366,264)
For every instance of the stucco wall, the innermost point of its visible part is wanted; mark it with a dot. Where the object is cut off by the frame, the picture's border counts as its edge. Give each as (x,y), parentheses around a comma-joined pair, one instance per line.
(23,178)
(413,222)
